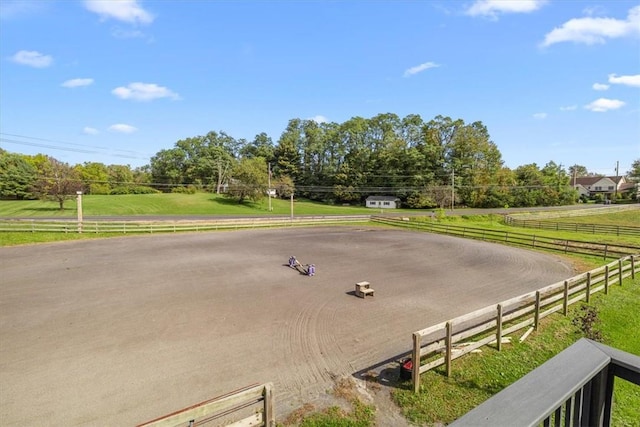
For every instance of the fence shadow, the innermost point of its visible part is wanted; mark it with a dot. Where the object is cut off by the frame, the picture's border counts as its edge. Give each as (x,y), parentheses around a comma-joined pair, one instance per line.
(387,372)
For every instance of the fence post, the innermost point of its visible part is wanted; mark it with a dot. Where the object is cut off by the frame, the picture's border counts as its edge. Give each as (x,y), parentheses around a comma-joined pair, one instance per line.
(415,360)
(449,348)
(606,247)
(620,271)
(606,279)
(499,327)
(588,288)
(534,241)
(536,318)
(269,415)
(565,302)
(633,267)
(566,246)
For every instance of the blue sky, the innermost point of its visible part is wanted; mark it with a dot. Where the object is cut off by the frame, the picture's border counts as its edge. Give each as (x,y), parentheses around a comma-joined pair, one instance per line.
(117,81)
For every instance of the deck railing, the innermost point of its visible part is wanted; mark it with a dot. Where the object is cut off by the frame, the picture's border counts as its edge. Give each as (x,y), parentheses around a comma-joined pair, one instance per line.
(574,388)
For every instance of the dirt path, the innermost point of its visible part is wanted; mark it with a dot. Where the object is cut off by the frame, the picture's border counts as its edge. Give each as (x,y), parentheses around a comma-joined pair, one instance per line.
(123,330)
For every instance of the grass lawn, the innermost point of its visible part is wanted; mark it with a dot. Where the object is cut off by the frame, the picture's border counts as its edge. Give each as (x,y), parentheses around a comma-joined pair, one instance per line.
(172,204)
(476,377)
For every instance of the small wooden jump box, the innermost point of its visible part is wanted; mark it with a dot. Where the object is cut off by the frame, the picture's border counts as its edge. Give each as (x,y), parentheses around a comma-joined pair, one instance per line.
(363,289)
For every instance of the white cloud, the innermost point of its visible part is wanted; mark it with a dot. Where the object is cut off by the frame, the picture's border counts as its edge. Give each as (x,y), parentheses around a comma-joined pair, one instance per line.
(569,108)
(419,68)
(492,8)
(319,119)
(600,86)
(603,104)
(595,30)
(625,80)
(144,92)
(540,116)
(90,131)
(122,10)
(32,59)
(10,9)
(77,83)
(122,128)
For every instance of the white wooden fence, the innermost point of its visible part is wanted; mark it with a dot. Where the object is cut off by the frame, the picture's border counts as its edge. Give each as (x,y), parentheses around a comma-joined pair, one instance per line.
(442,343)
(169,226)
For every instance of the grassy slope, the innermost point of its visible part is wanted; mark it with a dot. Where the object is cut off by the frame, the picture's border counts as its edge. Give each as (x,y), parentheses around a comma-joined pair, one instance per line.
(476,377)
(170,204)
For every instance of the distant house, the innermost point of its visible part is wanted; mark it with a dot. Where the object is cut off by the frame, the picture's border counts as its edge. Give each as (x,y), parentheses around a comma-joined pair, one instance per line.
(606,185)
(383,202)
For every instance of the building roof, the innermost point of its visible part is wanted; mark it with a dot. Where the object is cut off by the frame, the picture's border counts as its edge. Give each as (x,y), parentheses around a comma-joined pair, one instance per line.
(382,199)
(590,180)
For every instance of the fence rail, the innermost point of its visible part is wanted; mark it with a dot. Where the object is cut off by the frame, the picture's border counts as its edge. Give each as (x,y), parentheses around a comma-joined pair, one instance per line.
(141,226)
(618,230)
(604,250)
(257,399)
(442,343)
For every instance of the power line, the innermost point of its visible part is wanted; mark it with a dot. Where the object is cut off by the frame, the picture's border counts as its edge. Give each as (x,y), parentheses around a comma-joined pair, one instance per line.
(130,154)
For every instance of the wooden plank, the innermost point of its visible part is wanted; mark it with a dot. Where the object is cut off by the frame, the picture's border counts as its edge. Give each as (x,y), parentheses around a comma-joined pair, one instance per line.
(250,421)
(433,347)
(499,328)
(489,324)
(448,349)
(469,348)
(432,329)
(518,313)
(269,412)
(433,364)
(416,359)
(208,408)
(518,326)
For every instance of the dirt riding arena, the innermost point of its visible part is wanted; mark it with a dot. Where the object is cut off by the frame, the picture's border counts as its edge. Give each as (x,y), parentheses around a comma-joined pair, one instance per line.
(123,330)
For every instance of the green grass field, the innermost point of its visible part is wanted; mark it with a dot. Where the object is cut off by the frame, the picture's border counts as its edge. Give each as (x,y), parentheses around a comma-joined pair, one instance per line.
(169,204)
(476,377)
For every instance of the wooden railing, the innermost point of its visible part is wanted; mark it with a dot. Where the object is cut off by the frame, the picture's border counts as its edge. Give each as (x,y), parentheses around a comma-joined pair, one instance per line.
(618,230)
(578,388)
(169,226)
(442,343)
(581,247)
(257,399)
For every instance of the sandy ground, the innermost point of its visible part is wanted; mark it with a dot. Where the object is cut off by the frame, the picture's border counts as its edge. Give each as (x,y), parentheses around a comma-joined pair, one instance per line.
(123,330)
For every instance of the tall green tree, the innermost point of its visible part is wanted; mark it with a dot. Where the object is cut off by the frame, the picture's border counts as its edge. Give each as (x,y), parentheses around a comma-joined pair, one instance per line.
(287,154)
(17,176)
(95,177)
(57,181)
(261,146)
(250,180)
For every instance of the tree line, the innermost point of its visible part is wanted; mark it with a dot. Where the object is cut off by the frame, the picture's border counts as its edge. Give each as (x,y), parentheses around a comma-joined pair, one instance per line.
(425,164)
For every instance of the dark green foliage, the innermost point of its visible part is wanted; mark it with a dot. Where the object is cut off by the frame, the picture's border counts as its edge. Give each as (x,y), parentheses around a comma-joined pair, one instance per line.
(17,176)
(189,189)
(133,189)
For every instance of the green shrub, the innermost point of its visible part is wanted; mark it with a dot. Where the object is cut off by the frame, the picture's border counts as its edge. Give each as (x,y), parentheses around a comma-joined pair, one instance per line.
(190,189)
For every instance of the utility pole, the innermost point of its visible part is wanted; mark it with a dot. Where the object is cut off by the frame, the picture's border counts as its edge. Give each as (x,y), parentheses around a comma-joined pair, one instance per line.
(292,205)
(269,190)
(79,201)
(453,186)
(615,193)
